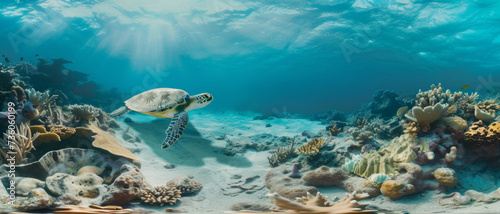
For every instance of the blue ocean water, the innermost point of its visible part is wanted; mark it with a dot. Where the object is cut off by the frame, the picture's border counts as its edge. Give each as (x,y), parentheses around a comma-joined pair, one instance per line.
(303,56)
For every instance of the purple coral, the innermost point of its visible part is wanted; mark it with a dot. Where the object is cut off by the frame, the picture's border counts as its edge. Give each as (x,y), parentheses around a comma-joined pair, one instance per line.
(295,172)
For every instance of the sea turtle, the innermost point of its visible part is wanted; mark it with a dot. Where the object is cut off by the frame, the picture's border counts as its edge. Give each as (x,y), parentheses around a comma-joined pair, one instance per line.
(168,103)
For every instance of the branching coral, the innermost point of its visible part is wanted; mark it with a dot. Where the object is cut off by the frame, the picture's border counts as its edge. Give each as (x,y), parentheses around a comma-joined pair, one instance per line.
(312,147)
(21,144)
(282,154)
(40,99)
(160,195)
(85,112)
(334,130)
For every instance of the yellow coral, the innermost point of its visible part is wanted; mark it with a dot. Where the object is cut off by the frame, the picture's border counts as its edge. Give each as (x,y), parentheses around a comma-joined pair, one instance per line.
(312,147)
(446,176)
(39,128)
(334,131)
(362,123)
(478,133)
(63,132)
(47,138)
(395,190)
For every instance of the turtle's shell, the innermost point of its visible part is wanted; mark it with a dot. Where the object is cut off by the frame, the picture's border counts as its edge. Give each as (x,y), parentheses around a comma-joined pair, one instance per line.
(156,100)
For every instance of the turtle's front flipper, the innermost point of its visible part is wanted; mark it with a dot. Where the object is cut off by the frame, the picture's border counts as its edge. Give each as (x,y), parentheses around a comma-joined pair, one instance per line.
(119,112)
(175,129)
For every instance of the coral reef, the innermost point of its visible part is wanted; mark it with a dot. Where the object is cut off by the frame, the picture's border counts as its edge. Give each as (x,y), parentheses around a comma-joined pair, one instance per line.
(456,123)
(312,147)
(160,195)
(482,115)
(334,130)
(85,112)
(479,134)
(127,186)
(21,144)
(281,155)
(185,185)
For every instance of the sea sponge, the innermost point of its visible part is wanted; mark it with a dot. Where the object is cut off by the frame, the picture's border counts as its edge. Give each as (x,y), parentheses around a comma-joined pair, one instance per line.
(63,132)
(395,190)
(479,134)
(482,115)
(160,195)
(185,185)
(456,123)
(312,147)
(85,112)
(446,176)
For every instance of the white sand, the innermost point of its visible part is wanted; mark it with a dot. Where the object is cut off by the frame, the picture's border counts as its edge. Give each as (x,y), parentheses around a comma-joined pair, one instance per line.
(198,154)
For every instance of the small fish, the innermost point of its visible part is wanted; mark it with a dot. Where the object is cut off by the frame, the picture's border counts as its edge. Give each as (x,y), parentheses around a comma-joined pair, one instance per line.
(22,58)
(37,55)
(3,55)
(465,87)
(7,59)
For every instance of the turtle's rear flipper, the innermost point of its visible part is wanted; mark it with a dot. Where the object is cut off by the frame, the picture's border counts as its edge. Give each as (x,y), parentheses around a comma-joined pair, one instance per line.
(119,112)
(175,129)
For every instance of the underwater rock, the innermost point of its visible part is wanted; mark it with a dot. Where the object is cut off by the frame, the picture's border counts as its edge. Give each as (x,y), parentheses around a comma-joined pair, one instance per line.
(126,186)
(185,185)
(259,142)
(268,125)
(325,177)
(336,177)
(446,176)
(25,185)
(128,120)
(80,187)
(70,161)
(37,199)
(277,181)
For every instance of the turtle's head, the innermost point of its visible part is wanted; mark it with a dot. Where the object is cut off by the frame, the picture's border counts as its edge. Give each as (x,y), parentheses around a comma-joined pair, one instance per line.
(201,100)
